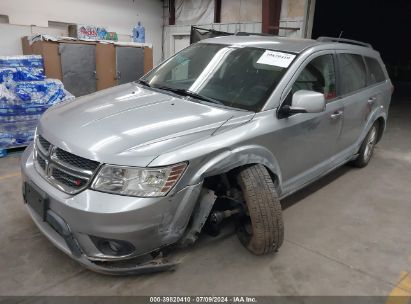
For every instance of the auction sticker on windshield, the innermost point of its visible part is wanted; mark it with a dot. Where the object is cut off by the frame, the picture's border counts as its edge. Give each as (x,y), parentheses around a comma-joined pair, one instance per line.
(279,59)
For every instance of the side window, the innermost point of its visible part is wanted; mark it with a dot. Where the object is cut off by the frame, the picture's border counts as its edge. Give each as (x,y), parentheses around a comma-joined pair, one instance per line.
(375,73)
(318,76)
(353,75)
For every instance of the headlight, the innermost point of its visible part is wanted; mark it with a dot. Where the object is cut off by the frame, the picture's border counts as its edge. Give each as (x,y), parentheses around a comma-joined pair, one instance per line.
(143,182)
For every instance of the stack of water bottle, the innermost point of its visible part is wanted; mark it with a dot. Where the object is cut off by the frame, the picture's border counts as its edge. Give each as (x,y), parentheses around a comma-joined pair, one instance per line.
(25,94)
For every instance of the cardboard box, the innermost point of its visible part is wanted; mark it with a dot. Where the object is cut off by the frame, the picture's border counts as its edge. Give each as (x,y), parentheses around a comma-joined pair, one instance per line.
(105,59)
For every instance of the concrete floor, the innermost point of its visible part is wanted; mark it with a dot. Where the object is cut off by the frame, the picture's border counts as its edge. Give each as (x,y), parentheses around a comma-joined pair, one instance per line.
(348,234)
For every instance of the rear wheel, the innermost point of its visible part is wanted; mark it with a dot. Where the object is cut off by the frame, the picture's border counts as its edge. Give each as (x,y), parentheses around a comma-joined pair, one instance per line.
(367,147)
(261,228)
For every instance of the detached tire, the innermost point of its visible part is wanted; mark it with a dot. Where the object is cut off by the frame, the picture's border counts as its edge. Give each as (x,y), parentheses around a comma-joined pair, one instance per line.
(261,232)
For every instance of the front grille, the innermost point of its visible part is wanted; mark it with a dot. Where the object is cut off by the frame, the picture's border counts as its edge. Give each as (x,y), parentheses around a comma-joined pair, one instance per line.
(41,161)
(66,171)
(68,179)
(76,161)
(44,143)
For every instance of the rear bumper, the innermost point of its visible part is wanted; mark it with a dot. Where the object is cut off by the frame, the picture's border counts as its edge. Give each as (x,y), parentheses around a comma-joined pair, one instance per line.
(146,223)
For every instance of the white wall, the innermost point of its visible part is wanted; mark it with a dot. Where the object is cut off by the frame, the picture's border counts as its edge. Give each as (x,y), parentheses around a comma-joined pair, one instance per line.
(116,15)
(242,16)
(293,15)
(10,41)
(194,11)
(241,11)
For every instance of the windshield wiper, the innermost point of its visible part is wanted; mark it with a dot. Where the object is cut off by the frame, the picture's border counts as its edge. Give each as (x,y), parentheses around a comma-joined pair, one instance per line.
(143,82)
(185,92)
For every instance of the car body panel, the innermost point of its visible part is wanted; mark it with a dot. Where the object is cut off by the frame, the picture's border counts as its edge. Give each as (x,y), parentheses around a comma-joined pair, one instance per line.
(115,126)
(132,125)
(146,223)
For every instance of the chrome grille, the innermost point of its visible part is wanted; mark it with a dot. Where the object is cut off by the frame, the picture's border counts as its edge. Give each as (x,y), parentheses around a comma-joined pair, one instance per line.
(76,161)
(64,170)
(41,161)
(44,143)
(68,179)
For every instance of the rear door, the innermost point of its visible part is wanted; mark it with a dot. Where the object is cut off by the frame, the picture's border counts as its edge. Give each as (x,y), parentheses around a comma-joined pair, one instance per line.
(379,88)
(352,85)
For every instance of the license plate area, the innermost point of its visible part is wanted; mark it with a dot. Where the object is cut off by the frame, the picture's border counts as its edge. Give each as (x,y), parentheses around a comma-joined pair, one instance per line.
(37,199)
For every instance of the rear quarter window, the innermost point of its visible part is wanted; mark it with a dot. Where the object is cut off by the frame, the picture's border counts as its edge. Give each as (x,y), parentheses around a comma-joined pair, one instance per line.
(375,72)
(353,75)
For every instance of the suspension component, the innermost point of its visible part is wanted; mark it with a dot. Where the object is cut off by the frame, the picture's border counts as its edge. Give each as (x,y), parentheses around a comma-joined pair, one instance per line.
(217,217)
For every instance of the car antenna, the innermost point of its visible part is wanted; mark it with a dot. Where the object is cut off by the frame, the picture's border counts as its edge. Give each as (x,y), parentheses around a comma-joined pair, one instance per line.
(340,34)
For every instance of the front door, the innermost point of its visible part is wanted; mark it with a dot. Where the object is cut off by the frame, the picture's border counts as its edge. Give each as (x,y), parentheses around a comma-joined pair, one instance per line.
(306,143)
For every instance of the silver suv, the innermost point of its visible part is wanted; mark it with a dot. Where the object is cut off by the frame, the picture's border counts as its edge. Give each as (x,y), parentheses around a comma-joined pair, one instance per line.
(226,128)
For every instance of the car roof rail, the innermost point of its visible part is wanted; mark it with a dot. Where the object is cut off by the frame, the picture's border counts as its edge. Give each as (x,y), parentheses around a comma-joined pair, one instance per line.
(344,40)
(252,34)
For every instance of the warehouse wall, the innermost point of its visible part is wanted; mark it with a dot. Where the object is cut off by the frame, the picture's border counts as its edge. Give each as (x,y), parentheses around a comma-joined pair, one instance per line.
(242,16)
(43,17)
(241,11)
(294,14)
(177,37)
(232,11)
(194,11)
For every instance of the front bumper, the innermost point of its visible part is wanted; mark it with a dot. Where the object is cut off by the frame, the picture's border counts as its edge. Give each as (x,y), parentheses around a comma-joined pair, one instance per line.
(146,223)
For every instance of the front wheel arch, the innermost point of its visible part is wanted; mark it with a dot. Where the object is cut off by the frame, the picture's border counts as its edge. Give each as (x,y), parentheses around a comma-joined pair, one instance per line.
(239,157)
(233,172)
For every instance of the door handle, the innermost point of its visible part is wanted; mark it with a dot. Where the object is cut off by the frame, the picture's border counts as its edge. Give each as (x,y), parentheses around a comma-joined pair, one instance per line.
(336,114)
(371,100)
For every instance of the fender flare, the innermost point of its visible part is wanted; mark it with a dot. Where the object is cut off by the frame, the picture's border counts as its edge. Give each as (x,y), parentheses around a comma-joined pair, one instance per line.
(240,156)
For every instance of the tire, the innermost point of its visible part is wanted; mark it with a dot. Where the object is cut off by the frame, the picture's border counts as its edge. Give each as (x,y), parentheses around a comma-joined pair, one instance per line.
(367,147)
(261,230)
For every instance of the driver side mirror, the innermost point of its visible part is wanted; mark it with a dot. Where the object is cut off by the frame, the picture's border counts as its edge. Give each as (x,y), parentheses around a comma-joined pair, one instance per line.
(305,101)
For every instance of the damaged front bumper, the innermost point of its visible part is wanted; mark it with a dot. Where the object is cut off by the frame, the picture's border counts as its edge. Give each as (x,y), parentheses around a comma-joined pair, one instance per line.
(59,233)
(76,224)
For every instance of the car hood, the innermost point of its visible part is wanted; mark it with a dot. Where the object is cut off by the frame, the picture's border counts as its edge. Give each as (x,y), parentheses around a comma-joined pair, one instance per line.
(130,125)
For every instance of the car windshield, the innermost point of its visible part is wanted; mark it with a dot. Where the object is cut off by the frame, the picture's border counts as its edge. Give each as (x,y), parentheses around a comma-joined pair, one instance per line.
(240,77)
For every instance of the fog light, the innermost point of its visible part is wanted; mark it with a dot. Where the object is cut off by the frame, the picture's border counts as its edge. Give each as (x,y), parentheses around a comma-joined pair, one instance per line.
(116,247)
(113,247)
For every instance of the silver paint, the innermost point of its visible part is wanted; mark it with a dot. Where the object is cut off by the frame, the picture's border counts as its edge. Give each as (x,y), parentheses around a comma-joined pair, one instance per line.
(138,126)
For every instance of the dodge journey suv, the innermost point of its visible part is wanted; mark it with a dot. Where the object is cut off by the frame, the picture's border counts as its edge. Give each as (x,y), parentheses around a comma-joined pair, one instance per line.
(226,128)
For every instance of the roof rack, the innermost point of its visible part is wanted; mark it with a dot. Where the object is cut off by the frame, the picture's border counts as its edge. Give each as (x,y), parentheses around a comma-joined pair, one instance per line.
(343,40)
(251,34)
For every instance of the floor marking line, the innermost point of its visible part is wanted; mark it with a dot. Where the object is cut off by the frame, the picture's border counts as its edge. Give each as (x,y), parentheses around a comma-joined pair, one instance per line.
(11,175)
(401,293)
